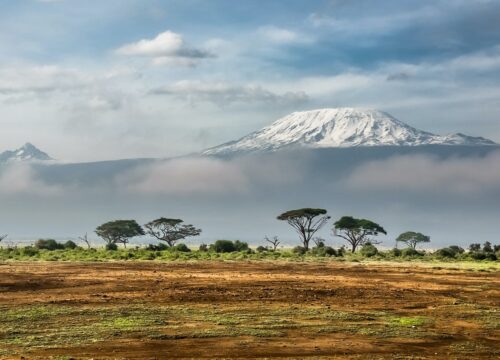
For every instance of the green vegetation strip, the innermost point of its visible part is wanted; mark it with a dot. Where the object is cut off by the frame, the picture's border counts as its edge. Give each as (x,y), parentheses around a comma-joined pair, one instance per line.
(42,326)
(99,255)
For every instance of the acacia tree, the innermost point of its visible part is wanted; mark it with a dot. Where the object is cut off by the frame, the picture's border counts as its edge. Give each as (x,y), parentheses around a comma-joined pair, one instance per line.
(357,232)
(412,239)
(306,222)
(119,231)
(2,237)
(170,230)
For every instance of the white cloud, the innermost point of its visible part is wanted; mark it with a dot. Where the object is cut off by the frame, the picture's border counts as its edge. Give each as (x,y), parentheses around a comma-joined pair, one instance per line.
(223,94)
(166,48)
(282,36)
(374,24)
(470,176)
(186,176)
(39,79)
(211,176)
(21,179)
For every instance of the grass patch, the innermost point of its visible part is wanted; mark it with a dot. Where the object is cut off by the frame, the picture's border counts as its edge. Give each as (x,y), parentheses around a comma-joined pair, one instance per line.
(408,321)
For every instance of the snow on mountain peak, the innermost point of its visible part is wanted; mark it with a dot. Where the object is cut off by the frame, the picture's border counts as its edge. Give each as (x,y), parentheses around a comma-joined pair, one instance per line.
(27,152)
(339,127)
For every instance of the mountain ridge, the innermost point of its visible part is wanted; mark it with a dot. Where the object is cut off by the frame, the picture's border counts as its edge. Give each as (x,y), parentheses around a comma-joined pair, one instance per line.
(27,152)
(339,127)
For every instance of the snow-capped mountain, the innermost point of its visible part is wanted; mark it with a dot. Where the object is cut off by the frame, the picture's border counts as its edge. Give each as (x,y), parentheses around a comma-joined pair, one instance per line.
(339,127)
(27,152)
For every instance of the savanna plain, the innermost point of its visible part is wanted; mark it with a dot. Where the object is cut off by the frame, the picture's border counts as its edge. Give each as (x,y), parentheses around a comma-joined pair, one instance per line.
(249,309)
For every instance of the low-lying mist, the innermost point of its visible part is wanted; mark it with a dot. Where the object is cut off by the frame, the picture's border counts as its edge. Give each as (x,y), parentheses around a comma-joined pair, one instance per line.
(449,194)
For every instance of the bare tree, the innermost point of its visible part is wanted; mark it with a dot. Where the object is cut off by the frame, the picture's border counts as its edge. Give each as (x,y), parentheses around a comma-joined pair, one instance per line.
(274,242)
(319,241)
(85,239)
(2,237)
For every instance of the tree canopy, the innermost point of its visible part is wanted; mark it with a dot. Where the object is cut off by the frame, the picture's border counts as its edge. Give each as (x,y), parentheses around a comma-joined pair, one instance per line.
(170,230)
(357,231)
(306,222)
(119,231)
(412,239)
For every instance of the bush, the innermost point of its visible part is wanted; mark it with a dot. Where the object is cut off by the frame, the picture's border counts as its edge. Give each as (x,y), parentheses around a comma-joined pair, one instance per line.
(481,255)
(157,247)
(487,247)
(341,251)
(111,247)
(474,247)
(394,252)
(70,245)
(411,252)
(203,248)
(456,249)
(299,250)
(322,250)
(181,248)
(446,253)
(240,246)
(29,251)
(369,250)
(48,244)
(224,246)
(261,249)
(330,251)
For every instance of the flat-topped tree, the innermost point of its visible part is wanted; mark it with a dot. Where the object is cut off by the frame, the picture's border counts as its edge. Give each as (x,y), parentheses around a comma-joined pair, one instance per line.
(412,239)
(306,222)
(357,232)
(119,231)
(170,230)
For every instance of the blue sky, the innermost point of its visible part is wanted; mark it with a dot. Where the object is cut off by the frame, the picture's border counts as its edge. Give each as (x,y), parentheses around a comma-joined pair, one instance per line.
(93,80)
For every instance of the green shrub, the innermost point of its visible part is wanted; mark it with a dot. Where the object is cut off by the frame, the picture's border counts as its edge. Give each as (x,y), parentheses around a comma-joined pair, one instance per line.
(224,246)
(487,247)
(299,250)
(369,250)
(157,247)
(341,251)
(70,245)
(446,253)
(29,251)
(203,248)
(111,247)
(411,252)
(474,247)
(240,246)
(491,256)
(481,255)
(457,249)
(261,249)
(394,252)
(48,244)
(181,248)
(323,251)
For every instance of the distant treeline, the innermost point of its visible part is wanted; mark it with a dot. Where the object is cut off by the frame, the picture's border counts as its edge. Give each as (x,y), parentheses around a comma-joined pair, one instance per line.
(359,234)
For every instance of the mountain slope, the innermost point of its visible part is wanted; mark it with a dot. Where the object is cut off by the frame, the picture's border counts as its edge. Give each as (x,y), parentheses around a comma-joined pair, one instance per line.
(27,152)
(340,127)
